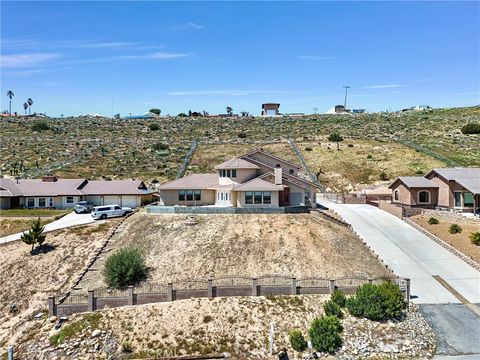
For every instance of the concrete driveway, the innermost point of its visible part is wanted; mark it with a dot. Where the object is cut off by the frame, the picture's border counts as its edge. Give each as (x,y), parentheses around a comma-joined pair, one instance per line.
(411,254)
(68,220)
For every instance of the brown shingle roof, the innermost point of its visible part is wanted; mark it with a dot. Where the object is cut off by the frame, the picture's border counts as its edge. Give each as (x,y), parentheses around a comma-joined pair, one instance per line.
(191,182)
(469,178)
(116,187)
(414,182)
(236,163)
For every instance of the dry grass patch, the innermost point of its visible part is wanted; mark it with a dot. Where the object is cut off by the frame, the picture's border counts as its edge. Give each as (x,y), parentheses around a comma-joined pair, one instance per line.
(366,162)
(10,226)
(459,241)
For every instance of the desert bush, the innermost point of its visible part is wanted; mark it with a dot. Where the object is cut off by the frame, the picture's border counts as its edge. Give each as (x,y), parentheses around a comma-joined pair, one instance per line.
(332,309)
(383,175)
(339,298)
(40,126)
(455,229)
(154,127)
(297,340)
(127,348)
(369,156)
(324,333)
(335,136)
(475,238)
(308,149)
(350,145)
(242,135)
(159,146)
(471,128)
(124,268)
(433,221)
(377,302)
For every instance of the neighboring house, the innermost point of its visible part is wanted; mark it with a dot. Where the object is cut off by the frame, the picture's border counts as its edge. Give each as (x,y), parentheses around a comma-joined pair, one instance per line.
(256,179)
(270,109)
(449,188)
(53,192)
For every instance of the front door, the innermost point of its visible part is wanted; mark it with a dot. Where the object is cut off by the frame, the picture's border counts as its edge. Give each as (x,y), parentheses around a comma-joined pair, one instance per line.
(223,198)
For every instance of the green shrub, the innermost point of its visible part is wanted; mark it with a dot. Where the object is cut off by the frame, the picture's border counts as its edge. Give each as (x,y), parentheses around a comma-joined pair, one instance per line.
(338,298)
(383,176)
(159,146)
(308,149)
(350,145)
(471,128)
(154,127)
(242,135)
(475,238)
(332,309)
(377,302)
(127,348)
(324,333)
(335,136)
(40,125)
(455,229)
(433,221)
(124,268)
(297,341)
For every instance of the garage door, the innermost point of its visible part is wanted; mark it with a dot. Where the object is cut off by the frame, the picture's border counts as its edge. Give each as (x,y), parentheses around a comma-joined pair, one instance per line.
(129,201)
(111,200)
(295,198)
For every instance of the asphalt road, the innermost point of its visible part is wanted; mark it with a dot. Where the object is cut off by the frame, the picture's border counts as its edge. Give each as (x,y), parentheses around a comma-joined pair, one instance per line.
(411,254)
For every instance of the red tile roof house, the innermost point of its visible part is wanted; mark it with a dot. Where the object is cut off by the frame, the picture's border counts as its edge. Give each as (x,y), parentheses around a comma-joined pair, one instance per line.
(53,192)
(256,179)
(450,188)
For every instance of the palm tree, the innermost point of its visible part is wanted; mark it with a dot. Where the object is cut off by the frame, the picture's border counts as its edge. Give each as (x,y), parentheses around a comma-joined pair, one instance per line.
(25,106)
(30,103)
(10,94)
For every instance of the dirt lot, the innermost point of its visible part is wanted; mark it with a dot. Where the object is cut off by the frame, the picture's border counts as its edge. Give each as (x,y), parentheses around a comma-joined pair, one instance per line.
(353,167)
(27,279)
(460,241)
(179,247)
(239,326)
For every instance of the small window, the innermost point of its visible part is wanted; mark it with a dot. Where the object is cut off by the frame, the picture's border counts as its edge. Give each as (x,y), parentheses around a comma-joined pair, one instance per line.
(189,195)
(221,196)
(258,197)
(267,197)
(104,209)
(234,173)
(30,202)
(396,195)
(198,195)
(248,197)
(424,197)
(291,171)
(69,199)
(468,199)
(181,195)
(41,202)
(50,202)
(117,208)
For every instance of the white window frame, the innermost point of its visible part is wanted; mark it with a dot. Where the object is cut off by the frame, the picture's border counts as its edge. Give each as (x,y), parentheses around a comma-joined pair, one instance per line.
(69,202)
(33,201)
(45,199)
(424,202)
(396,195)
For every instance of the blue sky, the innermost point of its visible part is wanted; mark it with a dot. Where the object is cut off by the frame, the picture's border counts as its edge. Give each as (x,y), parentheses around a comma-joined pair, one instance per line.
(78,57)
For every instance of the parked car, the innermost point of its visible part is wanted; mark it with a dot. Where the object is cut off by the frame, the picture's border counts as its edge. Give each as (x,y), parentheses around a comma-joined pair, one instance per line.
(103,212)
(83,206)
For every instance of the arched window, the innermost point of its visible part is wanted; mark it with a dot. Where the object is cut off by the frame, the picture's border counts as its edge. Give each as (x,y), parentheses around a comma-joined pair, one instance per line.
(396,195)
(424,197)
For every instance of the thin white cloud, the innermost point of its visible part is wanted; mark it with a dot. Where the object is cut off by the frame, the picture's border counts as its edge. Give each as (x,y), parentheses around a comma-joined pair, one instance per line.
(190,25)
(314,57)
(26,59)
(159,55)
(23,73)
(387,86)
(223,92)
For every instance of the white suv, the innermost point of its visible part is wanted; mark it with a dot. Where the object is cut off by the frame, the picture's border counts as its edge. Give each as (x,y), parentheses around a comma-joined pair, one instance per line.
(102,212)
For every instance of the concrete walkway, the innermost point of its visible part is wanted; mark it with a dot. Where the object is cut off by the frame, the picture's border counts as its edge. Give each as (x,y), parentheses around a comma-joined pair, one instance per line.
(411,254)
(68,220)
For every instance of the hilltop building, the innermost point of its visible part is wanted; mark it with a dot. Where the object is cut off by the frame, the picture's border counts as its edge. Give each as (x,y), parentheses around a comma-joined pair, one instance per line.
(270,109)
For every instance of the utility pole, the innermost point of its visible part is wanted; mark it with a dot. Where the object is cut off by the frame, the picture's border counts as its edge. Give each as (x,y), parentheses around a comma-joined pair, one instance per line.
(315,109)
(346,87)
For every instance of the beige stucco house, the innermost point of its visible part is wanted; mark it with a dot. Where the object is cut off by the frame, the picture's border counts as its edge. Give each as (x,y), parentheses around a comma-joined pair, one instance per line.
(449,188)
(57,193)
(256,179)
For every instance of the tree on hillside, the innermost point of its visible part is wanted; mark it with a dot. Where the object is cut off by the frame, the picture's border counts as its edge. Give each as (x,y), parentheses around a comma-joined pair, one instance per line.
(229,110)
(35,235)
(156,111)
(25,106)
(30,103)
(10,94)
(335,137)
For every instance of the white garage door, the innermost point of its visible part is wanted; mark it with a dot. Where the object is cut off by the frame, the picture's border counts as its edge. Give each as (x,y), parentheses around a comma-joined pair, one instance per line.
(129,201)
(111,200)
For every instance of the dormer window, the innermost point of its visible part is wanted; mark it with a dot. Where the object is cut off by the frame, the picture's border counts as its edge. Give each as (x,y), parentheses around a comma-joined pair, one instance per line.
(228,173)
